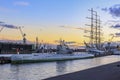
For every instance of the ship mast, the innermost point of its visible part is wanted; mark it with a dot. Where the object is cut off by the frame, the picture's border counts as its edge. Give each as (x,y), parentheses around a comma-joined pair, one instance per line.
(95,32)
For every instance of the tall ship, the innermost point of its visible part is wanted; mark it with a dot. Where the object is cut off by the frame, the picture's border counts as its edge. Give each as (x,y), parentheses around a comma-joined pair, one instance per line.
(95,46)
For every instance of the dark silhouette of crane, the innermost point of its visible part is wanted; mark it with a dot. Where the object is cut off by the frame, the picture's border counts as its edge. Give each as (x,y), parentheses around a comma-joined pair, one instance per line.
(14,27)
(23,35)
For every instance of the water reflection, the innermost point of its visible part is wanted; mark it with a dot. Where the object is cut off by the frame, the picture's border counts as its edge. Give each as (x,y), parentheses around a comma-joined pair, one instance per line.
(38,71)
(61,67)
(15,72)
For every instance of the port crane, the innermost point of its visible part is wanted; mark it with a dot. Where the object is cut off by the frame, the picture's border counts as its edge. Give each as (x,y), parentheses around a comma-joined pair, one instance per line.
(23,35)
(13,27)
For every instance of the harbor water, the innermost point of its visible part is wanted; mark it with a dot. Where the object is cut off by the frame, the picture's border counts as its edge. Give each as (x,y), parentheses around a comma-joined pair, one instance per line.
(39,71)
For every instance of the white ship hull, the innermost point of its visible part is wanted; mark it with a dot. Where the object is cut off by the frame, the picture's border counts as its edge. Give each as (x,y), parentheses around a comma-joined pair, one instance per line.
(44,57)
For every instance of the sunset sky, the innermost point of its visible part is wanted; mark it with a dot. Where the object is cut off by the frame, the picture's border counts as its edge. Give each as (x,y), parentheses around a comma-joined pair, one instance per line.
(44,18)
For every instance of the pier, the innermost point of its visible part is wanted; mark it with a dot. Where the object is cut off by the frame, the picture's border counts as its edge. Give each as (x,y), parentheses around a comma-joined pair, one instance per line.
(105,72)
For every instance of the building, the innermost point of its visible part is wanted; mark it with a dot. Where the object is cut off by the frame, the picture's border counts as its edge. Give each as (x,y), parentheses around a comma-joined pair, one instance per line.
(13,48)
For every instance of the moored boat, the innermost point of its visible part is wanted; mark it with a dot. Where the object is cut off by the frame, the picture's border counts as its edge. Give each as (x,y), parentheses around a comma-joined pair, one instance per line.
(46,57)
(63,48)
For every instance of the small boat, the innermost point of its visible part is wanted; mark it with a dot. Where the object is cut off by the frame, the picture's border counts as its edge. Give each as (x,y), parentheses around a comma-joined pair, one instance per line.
(91,49)
(63,48)
(115,51)
(96,52)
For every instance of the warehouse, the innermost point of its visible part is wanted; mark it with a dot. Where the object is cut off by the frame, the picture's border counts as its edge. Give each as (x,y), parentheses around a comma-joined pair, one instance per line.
(13,48)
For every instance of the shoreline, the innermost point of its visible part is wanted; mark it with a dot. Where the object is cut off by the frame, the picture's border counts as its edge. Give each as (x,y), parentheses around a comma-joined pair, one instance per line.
(105,72)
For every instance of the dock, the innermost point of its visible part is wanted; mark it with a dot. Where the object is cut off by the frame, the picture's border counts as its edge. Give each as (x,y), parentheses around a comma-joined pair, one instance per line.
(105,72)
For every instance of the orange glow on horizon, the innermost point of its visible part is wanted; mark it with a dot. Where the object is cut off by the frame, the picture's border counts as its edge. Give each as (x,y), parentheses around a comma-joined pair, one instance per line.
(51,34)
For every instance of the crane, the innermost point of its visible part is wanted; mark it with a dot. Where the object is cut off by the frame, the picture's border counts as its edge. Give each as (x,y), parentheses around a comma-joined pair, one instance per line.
(23,35)
(14,27)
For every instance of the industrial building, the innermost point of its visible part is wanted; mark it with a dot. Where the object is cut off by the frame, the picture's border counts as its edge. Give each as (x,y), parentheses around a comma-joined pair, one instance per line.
(13,48)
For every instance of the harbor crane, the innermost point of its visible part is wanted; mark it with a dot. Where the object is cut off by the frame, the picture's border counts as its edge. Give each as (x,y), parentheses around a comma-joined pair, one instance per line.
(14,27)
(23,35)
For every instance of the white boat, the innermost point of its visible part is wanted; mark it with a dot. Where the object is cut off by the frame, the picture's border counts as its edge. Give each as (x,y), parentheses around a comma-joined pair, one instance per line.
(115,51)
(93,50)
(63,48)
(96,52)
(63,53)
(44,57)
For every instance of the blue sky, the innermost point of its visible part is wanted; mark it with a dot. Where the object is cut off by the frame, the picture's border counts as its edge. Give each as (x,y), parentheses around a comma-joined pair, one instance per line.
(48,11)
(43,17)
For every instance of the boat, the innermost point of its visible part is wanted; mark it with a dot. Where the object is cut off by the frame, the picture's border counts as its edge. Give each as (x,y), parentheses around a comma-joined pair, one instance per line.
(47,57)
(94,46)
(63,48)
(63,53)
(92,49)
(113,48)
(96,52)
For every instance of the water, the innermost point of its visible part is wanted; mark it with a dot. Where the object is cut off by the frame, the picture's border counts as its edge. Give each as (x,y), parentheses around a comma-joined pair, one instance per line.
(38,71)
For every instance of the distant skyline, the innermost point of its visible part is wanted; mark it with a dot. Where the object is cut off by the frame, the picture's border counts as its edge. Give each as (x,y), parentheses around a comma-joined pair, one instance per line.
(44,18)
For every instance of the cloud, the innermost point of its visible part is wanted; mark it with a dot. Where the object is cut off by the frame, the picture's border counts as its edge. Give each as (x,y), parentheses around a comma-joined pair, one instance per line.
(62,26)
(79,28)
(1,22)
(114,21)
(116,26)
(8,25)
(104,9)
(113,10)
(7,10)
(70,42)
(111,22)
(21,3)
(117,34)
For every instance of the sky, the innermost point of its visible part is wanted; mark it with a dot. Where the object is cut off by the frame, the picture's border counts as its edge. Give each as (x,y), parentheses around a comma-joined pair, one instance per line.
(44,18)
